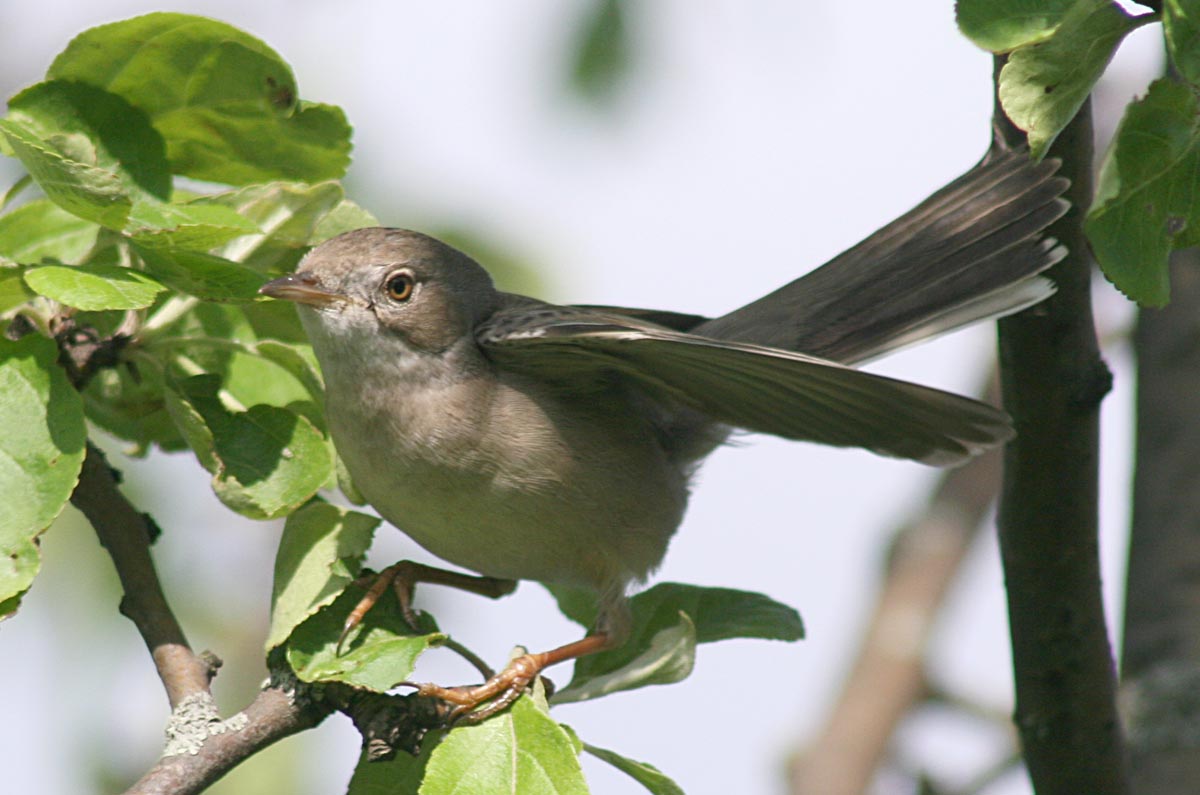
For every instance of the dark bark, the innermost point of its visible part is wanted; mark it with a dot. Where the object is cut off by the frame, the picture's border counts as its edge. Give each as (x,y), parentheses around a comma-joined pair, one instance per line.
(1161,655)
(1052,382)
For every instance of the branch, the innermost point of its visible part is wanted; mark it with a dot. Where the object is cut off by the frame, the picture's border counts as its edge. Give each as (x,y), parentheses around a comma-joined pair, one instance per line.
(204,748)
(126,534)
(888,677)
(1052,380)
(201,747)
(1161,656)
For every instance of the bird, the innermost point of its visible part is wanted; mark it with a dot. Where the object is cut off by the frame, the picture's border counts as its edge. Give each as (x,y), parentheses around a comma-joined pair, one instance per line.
(525,440)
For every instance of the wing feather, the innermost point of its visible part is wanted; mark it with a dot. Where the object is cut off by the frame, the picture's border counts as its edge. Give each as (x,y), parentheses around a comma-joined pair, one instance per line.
(787,394)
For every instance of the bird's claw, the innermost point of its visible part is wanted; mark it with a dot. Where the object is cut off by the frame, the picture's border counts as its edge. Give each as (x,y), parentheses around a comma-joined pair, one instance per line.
(480,702)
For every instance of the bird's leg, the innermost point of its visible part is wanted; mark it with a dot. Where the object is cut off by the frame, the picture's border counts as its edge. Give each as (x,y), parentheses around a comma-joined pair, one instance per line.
(404,576)
(507,686)
(611,630)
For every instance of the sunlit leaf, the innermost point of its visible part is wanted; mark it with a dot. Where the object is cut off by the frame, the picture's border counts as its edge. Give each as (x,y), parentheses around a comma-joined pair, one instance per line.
(13,291)
(41,230)
(379,654)
(96,128)
(522,750)
(648,776)
(661,654)
(225,102)
(94,287)
(203,275)
(265,461)
(320,553)
(190,226)
(668,620)
(1043,85)
(287,215)
(42,436)
(344,217)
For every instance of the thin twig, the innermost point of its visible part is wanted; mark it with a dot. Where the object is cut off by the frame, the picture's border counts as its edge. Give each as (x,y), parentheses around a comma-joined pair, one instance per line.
(474,659)
(126,534)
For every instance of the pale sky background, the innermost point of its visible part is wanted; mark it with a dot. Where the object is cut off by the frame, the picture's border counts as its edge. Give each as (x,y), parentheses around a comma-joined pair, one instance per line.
(757,140)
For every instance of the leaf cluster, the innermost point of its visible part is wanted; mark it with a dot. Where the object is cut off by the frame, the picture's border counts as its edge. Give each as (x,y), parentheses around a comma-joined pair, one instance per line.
(115,249)
(172,169)
(1147,201)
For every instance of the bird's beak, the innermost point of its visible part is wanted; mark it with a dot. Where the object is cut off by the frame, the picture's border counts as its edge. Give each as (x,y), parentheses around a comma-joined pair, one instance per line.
(302,288)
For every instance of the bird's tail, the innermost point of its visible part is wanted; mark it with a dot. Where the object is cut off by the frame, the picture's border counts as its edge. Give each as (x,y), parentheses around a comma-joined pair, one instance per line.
(971,251)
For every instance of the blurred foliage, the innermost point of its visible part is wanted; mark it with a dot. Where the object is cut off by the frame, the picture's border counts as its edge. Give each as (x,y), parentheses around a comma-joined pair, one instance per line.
(601,59)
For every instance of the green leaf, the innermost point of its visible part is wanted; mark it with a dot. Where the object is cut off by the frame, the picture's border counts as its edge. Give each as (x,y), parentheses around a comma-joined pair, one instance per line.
(602,54)
(91,126)
(94,287)
(522,750)
(287,215)
(187,226)
(131,406)
(668,620)
(648,776)
(320,553)
(379,653)
(83,190)
(41,230)
(13,291)
(397,776)
(42,436)
(345,217)
(222,339)
(265,461)
(1147,197)
(205,276)
(346,484)
(1003,25)
(18,187)
(300,362)
(1181,25)
(1043,85)
(225,102)
(660,655)
(718,613)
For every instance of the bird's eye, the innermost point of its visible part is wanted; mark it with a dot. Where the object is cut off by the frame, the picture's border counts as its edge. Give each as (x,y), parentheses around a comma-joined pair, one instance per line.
(399,286)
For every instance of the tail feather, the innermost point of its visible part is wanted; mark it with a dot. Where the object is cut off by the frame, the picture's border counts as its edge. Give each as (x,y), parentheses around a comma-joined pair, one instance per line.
(970,251)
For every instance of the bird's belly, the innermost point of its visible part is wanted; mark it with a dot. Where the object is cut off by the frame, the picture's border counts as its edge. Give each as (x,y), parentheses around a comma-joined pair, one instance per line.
(559,516)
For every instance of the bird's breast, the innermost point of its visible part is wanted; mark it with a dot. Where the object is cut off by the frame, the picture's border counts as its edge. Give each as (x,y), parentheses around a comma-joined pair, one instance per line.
(511,481)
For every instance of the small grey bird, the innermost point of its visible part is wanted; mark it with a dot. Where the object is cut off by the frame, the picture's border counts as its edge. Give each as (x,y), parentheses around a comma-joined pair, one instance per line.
(529,441)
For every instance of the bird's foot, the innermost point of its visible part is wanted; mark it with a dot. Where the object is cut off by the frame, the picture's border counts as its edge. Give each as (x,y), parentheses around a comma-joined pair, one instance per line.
(476,703)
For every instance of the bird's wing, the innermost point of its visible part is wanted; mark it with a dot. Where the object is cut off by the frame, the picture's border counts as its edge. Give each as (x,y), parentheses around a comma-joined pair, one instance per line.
(744,385)
(677,321)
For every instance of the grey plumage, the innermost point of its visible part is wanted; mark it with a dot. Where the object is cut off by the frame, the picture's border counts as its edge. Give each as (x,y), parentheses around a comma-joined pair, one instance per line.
(527,440)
